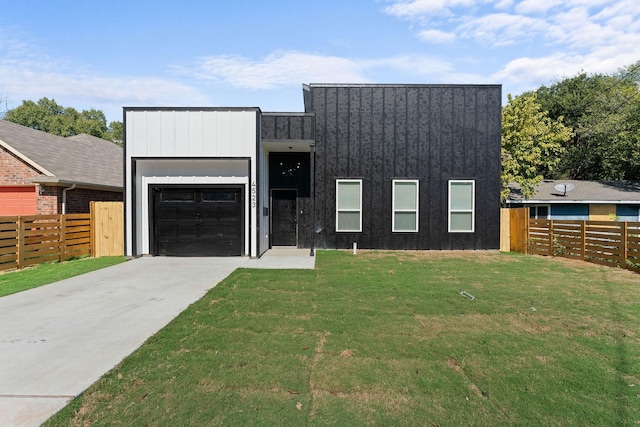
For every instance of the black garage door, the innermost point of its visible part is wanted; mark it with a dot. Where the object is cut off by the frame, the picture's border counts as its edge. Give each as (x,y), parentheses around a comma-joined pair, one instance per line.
(198,221)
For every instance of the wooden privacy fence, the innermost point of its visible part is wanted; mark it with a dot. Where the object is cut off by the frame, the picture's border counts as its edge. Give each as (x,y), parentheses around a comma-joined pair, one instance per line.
(614,244)
(107,229)
(514,229)
(29,240)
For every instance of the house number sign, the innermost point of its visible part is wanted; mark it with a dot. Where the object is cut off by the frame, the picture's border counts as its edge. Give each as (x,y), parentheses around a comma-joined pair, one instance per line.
(254,194)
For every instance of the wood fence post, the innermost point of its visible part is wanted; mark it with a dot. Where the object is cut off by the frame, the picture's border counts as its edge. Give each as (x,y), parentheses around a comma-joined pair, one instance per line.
(62,238)
(583,238)
(550,237)
(623,245)
(526,231)
(92,222)
(20,229)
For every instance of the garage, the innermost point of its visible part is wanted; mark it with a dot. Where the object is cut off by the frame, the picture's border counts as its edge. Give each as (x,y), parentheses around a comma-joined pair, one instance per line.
(18,200)
(197,221)
(193,182)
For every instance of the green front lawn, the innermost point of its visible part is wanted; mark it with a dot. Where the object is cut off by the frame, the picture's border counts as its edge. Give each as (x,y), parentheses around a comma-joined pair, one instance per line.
(43,274)
(386,338)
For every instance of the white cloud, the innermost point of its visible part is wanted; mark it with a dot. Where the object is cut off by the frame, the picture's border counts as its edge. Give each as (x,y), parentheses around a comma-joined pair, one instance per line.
(528,73)
(538,40)
(437,36)
(278,69)
(26,73)
(501,29)
(503,4)
(417,8)
(286,68)
(619,8)
(576,23)
(538,6)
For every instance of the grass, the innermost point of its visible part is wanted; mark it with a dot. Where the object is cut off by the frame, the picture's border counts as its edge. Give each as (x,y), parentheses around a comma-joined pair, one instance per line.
(386,338)
(43,274)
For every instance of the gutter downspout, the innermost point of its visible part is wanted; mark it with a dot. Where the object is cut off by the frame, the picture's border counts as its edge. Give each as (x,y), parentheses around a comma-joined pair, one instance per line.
(64,198)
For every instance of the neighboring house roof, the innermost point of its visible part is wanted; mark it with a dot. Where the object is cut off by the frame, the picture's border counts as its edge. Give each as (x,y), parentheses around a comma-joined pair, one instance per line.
(84,160)
(593,192)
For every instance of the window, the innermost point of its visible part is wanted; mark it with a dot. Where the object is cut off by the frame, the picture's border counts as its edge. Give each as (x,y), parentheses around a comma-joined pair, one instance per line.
(178,196)
(461,206)
(539,212)
(349,205)
(627,213)
(220,196)
(405,206)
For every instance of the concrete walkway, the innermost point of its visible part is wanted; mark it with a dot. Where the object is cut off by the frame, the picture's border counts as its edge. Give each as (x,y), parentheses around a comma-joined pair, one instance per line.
(57,340)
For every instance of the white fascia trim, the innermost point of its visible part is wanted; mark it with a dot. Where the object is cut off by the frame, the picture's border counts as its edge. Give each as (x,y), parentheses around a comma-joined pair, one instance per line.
(25,159)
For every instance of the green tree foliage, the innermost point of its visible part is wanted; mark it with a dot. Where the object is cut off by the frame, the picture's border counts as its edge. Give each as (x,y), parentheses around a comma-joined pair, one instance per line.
(531,142)
(603,111)
(115,132)
(48,116)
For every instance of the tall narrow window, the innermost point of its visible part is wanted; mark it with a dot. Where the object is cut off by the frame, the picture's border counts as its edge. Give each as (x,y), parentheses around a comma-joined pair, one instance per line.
(461,206)
(349,205)
(405,206)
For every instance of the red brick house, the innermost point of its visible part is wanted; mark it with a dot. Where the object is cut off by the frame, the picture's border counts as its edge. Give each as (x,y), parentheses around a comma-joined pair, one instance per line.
(44,174)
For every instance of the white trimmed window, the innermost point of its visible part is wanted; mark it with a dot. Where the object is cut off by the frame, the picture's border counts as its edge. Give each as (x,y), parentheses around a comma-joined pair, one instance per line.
(349,205)
(405,206)
(462,202)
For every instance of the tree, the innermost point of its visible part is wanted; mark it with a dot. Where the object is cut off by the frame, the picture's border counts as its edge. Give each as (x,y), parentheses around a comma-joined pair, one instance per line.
(603,111)
(116,132)
(3,106)
(531,143)
(48,116)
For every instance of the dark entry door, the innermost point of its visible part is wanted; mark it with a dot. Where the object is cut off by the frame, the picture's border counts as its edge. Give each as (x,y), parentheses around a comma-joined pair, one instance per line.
(284,217)
(198,221)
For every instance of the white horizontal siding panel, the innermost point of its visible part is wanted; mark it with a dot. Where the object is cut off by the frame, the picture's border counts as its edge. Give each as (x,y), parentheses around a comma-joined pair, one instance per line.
(182,139)
(191,133)
(137,134)
(230,134)
(224,133)
(167,141)
(209,132)
(196,134)
(245,137)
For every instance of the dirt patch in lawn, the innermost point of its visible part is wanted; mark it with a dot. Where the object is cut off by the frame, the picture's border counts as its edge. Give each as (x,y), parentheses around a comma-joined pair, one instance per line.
(421,255)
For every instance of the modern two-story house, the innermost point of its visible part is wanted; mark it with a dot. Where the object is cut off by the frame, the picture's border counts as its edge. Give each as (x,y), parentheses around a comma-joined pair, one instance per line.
(404,167)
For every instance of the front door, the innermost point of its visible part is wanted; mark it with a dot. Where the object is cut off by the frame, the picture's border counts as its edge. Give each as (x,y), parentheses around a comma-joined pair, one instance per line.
(284,217)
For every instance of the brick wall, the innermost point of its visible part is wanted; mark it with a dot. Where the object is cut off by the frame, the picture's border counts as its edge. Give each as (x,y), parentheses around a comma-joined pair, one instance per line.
(14,171)
(47,200)
(78,200)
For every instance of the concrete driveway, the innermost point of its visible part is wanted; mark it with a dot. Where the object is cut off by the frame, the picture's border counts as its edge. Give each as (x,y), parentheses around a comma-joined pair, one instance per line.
(56,340)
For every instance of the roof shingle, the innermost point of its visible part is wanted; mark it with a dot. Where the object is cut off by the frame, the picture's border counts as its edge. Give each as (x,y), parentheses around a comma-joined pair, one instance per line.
(583,191)
(81,159)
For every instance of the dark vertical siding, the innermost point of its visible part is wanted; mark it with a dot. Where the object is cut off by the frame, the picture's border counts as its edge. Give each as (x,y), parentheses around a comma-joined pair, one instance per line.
(435,175)
(288,126)
(432,133)
(324,189)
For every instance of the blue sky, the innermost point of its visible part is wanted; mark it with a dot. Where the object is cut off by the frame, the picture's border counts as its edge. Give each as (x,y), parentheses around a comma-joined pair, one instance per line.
(108,54)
